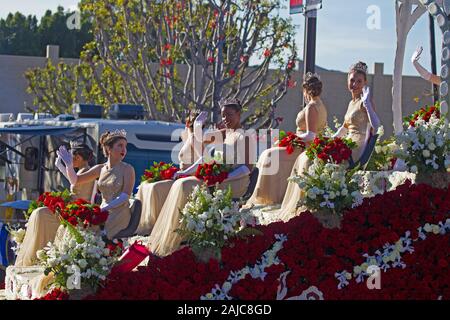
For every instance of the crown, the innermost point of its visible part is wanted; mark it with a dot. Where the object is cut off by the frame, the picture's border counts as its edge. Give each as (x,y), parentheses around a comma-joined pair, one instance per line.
(74,144)
(309,76)
(117,133)
(230,101)
(359,66)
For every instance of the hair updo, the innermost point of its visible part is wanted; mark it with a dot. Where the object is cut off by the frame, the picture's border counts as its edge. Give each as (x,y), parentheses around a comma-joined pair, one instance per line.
(312,84)
(108,139)
(359,68)
(82,150)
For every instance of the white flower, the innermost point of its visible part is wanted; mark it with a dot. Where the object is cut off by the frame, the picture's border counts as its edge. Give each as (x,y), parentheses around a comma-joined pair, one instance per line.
(41,254)
(344,192)
(103,262)
(432,146)
(414,169)
(332,195)
(378,149)
(82,263)
(426,153)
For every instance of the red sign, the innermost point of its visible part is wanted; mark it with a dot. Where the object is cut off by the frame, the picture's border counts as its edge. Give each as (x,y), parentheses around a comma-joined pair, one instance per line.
(296,6)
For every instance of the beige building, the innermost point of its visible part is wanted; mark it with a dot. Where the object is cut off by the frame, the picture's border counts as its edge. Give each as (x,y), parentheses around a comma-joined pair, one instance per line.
(15,99)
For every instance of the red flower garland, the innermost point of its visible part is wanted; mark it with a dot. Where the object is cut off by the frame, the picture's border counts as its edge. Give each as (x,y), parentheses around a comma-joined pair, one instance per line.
(313,255)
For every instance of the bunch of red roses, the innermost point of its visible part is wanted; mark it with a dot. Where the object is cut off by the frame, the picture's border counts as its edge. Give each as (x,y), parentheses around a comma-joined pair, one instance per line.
(81,212)
(55,201)
(212,173)
(55,294)
(159,171)
(334,150)
(290,141)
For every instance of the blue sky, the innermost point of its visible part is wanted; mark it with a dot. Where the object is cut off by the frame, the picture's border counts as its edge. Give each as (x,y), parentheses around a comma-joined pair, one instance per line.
(342,38)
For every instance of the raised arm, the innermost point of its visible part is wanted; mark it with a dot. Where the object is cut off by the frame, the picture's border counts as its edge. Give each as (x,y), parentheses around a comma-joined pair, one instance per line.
(424,73)
(74,178)
(370,107)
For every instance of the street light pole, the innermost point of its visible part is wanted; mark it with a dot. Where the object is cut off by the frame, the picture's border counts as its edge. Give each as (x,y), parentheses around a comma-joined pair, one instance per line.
(433,57)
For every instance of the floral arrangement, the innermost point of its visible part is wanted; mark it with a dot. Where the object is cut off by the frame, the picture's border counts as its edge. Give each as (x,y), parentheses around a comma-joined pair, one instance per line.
(17,234)
(303,261)
(424,113)
(425,146)
(84,214)
(55,201)
(159,171)
(334,150)
(329,186)
(383,158)
(210,220)
(212,172)
(81,259)
(290,141)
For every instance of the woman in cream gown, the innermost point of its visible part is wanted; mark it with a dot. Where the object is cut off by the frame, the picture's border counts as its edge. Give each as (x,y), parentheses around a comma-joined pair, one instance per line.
(43,224)
(275,164)
(360,121)
(164,239)
(115,180)
(153,195)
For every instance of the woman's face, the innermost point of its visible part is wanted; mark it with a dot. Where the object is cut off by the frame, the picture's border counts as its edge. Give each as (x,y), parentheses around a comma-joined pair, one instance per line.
(118,150)
(231,118)
(356,83)
(78,161)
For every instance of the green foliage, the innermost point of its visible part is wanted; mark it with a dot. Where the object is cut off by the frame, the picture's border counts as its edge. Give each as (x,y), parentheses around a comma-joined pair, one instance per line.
(24,35)
(173,54)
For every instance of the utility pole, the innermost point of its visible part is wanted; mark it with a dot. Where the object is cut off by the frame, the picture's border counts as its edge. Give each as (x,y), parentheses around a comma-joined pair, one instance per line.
(433,57)
(309,52)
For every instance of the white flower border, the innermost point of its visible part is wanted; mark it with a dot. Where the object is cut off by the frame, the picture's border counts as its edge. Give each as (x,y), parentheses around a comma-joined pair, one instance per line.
(268,259)
(390,255)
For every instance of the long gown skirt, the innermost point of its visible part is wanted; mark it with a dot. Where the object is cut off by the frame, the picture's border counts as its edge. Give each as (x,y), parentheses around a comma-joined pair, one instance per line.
(42,227)
(293,191)
(152,196)
(164,239)
(275,166)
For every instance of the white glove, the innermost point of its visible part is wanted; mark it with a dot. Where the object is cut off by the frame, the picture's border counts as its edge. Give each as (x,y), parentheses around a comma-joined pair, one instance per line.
(201,119)
(189,171)
(66,156)
(61,167)
(341,132)
(373,118)
(122,198)
(424,73)
(239,172)
(307,136)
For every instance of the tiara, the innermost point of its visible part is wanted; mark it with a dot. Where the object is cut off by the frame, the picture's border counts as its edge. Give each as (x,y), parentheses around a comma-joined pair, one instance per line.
(117,133)
(359,66)
(74,144)
(230,101)
(310,76)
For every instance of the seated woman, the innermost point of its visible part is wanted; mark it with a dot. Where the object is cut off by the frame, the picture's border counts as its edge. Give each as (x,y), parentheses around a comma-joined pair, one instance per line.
(115,180)
(43,224)
(164,239)
(271,186)
(153,195)
(360,121)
